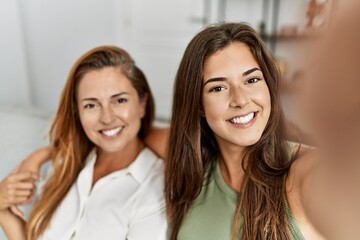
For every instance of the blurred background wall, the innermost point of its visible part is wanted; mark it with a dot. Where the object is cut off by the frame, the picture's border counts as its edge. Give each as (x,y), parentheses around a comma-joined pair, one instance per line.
(40,40)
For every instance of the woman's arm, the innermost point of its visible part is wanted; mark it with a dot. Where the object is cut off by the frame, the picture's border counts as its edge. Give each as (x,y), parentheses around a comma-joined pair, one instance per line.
(36,159)
(12,225)
(301,170)
(157,140)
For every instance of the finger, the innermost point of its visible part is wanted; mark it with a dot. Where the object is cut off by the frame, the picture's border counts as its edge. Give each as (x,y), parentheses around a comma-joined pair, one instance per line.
(16,193)
(17,200)
(23,193)
(21,186)
(17,211)
(23,176)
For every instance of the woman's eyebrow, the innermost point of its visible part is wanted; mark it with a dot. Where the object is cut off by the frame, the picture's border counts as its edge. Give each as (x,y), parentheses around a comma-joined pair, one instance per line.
(112,96)
(216,79)
(88,99)
(119,94)
(250,71)
(221,79)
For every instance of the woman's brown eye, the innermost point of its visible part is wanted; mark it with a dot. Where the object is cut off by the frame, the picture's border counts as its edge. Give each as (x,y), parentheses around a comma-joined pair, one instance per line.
(89,106)
(253,80)
(216,89)
(122,100)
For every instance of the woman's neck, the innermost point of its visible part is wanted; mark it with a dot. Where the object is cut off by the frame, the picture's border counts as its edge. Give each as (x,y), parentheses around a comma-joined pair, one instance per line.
(231,166)
(108,162)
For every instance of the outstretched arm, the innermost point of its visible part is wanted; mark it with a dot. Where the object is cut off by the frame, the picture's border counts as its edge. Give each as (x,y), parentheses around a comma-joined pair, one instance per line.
(331,194)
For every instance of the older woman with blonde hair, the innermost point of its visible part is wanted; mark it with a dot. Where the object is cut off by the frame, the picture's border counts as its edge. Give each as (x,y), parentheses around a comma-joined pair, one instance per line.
(105,183)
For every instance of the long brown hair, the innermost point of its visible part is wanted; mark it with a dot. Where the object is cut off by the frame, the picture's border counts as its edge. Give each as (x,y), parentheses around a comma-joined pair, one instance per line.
(71,145)
(193,148)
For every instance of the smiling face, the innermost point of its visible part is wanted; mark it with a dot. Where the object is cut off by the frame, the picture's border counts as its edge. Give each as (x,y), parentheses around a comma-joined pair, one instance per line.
(110,109)
(236,99)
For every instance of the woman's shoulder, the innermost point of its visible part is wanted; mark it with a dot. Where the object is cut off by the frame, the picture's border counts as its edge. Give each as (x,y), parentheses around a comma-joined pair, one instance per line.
(297,150)
(304,164)
(151,163)
(304,161)
(150,194)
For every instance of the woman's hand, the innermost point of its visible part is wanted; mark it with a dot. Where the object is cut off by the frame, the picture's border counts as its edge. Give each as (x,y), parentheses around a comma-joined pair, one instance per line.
(17,188)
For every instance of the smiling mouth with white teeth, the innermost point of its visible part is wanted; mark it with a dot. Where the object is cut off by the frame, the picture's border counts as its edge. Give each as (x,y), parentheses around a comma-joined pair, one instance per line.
(111,132)
(243,119)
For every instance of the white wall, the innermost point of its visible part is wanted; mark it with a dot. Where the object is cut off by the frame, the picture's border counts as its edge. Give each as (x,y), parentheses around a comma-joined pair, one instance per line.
(56,34)
(14,81)
(53,34)
(161,31)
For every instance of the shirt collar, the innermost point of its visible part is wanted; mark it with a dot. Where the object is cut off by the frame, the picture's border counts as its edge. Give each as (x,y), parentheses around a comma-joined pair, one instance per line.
(142,165)
(138,169)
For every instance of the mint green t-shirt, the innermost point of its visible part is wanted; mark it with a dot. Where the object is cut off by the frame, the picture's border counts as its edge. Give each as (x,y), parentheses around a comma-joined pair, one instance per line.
(211,215)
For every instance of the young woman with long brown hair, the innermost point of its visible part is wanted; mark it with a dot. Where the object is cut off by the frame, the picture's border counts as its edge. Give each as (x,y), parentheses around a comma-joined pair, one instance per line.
(105,183)
(230,173)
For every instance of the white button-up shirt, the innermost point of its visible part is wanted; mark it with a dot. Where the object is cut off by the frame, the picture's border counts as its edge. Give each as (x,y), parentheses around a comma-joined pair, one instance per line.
(126,204)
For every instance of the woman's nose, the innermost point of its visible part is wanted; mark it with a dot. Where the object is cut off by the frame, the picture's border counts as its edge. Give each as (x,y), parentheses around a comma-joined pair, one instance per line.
(239,97)
(107,115)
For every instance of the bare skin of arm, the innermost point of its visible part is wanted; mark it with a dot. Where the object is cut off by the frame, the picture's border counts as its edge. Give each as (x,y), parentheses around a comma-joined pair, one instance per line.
(157,141)
(34,161)
(13,226)
(304,167)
